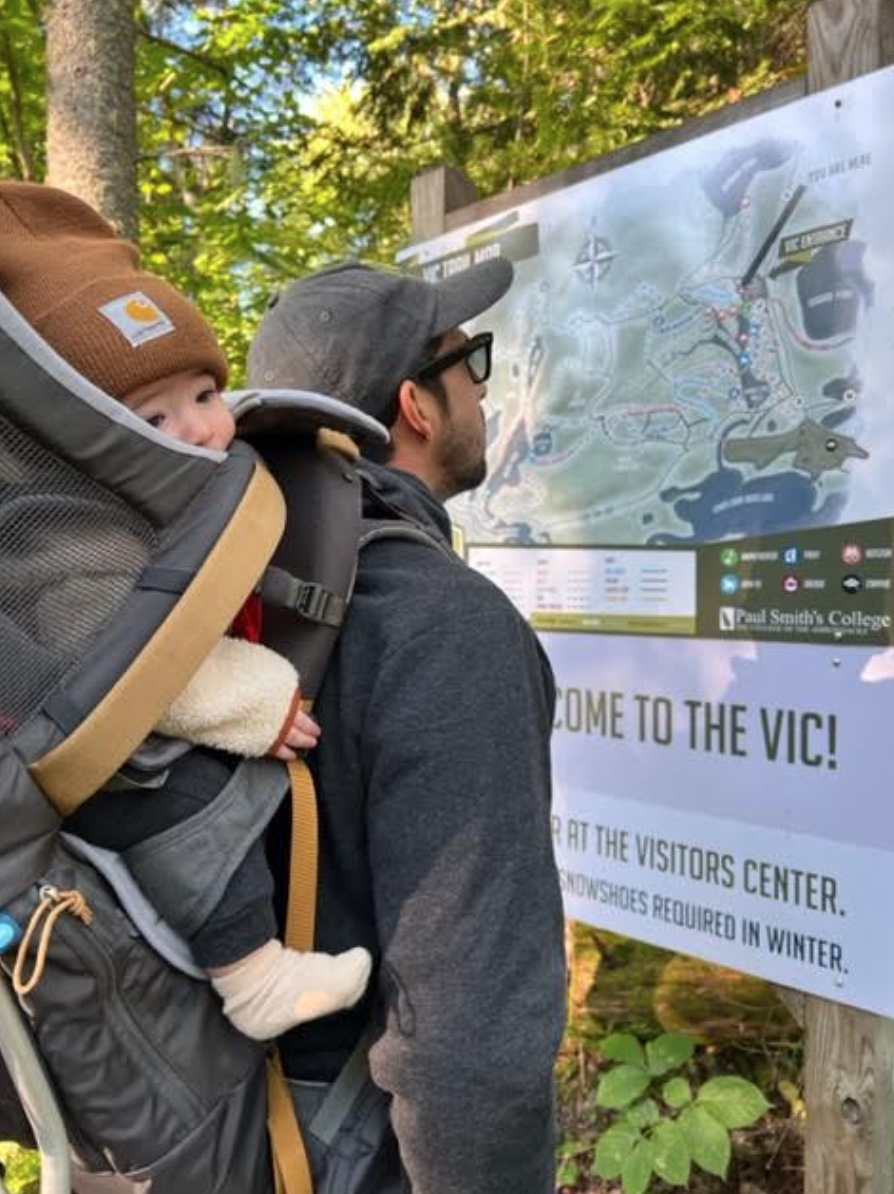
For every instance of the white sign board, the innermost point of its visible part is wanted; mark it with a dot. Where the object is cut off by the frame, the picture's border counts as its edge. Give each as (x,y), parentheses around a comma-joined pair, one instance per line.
(691,491)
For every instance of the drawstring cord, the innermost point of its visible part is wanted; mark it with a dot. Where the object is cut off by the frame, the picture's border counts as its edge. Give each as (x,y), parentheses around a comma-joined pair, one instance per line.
(52,904)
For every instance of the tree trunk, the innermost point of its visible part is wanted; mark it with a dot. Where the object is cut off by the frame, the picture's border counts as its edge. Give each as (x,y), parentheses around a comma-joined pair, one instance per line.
(91,105)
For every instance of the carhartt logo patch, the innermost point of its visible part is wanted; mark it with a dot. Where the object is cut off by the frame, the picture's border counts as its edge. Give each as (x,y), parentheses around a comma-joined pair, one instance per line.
(137,318)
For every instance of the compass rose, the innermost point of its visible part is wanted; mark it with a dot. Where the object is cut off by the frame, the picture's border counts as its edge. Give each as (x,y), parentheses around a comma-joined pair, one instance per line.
(594,260)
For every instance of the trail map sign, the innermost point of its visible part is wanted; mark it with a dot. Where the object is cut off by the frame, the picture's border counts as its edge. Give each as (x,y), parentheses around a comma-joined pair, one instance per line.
(691,493)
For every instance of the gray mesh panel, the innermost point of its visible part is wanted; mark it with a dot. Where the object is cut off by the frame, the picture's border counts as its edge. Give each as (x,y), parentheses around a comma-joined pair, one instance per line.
(70,552)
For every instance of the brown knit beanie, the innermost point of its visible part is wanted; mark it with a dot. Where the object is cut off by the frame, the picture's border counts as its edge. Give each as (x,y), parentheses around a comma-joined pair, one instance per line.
(80,286)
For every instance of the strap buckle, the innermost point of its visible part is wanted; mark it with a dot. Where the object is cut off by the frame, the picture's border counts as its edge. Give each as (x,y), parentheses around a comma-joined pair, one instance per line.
(309,600)
(315,603)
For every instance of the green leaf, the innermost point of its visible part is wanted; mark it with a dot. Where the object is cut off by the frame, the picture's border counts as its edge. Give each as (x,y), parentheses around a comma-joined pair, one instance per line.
(569,1171)
(637,1169)
(613,1149)
(677,1093)
(622,1046)
(668,1052)
(643,1114)
(733,1101)
(708,1140)
(670,1153)
(620,1086)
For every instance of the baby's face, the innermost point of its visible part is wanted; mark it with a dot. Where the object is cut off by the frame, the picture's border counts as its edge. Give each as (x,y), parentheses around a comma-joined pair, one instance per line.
(187,406)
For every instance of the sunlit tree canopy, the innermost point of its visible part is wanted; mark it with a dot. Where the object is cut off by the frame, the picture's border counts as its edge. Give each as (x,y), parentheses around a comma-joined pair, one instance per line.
(276,135)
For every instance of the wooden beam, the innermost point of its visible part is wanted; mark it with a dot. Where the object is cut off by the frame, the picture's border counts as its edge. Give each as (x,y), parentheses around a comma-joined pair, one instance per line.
(849,1095)
(849,1055)
(847,38)
(433,194)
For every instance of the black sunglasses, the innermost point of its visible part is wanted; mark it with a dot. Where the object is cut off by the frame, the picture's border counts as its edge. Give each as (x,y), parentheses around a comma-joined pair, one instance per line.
(475,352)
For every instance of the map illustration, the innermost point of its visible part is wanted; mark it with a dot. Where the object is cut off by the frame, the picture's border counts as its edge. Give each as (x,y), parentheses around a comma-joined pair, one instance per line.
(695,345)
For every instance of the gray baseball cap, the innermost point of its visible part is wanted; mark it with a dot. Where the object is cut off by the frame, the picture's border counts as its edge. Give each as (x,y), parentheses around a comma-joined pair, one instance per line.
(355,331)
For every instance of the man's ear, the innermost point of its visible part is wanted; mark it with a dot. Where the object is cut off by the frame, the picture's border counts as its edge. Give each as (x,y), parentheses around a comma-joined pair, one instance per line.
(414,406)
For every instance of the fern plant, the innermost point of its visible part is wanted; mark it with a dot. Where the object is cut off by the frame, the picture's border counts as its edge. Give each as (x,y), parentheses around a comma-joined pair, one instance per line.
(663,1124)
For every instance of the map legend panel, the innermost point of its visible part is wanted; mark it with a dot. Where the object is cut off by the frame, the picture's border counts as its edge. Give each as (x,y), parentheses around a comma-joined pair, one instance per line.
(609,590)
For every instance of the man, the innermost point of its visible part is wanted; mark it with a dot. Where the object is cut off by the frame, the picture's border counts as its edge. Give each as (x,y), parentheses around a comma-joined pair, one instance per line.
(433,762)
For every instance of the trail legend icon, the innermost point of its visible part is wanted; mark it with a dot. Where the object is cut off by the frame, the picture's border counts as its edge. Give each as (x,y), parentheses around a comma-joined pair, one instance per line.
(728,618)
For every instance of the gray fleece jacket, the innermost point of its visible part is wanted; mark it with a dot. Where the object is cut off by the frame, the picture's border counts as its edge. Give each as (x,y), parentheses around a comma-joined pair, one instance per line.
(436,854)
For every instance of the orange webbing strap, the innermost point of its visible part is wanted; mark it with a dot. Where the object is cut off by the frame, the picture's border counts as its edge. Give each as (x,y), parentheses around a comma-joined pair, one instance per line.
(291,1170)
(339,442)
(290,1164)
(302,907)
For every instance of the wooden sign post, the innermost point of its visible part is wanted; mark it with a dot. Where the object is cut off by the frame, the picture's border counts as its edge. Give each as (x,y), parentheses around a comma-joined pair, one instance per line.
(849,1054)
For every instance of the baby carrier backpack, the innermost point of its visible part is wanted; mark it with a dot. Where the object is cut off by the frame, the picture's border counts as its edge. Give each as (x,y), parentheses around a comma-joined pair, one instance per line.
(124,557)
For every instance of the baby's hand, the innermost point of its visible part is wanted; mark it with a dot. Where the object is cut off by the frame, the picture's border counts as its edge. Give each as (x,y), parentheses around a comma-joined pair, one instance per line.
(301,732)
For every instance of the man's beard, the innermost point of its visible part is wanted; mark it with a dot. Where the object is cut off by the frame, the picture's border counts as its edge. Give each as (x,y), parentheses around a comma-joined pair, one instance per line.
(462,463)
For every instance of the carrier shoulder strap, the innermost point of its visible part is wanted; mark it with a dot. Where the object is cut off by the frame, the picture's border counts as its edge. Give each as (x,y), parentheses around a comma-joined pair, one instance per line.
(306,589)
(291,1166)
(290,1162)
(375,529)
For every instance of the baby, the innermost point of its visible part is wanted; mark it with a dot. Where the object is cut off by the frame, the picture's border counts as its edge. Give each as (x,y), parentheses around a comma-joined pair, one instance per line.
(144,343)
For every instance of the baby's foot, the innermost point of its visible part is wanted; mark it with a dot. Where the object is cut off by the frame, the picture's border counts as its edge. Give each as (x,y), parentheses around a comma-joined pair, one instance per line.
(275,988)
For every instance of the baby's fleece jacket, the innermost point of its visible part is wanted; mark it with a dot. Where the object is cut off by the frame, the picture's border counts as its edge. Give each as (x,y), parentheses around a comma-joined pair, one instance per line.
(240,700)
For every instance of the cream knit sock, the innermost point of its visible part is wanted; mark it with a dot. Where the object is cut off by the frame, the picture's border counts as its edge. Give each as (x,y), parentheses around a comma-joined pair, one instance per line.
(275,988)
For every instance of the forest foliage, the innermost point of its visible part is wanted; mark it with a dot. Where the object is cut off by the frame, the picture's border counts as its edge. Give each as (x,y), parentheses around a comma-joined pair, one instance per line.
(276,136)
